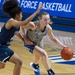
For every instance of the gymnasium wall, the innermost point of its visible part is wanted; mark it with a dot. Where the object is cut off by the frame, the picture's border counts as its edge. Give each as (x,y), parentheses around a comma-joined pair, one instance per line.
(59,23)
(61,12)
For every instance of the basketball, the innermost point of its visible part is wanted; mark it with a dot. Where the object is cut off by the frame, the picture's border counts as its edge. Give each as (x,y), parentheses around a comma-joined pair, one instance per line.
(66,53)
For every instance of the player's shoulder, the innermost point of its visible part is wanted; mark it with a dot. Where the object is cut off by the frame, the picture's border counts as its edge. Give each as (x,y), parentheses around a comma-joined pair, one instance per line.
(10,23)
(11,20)
(49,27)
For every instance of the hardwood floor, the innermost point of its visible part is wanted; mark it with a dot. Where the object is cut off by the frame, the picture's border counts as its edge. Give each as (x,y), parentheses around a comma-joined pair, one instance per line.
(17,46)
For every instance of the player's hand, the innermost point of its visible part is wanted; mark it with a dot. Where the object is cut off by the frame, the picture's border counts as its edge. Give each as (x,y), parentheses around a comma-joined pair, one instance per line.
(64,46)
(27,41)
(39,7)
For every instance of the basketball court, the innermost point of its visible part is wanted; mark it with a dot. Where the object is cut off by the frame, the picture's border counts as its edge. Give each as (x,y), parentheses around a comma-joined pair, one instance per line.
(60,66)
(63,16)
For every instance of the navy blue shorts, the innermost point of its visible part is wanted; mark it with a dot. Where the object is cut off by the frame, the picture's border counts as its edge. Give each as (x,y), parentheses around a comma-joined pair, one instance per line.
(29,47)
(5,53)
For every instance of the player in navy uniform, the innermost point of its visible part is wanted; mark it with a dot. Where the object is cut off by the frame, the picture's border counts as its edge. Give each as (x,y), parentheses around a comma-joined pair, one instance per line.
(34,35)
(10,28)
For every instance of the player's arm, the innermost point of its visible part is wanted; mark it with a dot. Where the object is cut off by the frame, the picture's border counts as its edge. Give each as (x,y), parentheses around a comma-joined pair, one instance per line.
(23,33)
(19,36)
(53,38)
(26,21)
(30,25)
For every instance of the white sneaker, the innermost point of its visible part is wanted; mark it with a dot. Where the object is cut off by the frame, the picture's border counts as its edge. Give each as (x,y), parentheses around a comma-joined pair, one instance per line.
(35,69)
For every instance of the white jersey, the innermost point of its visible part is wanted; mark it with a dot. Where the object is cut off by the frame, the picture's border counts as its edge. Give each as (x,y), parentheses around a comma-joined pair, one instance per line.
(36,35)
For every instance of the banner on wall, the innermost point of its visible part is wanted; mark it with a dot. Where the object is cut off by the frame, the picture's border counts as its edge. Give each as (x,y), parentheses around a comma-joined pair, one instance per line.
(59,8)
(0,5)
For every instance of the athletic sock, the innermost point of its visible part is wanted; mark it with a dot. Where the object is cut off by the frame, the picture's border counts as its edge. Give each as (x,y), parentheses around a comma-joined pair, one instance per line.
(35,65)
(50,71)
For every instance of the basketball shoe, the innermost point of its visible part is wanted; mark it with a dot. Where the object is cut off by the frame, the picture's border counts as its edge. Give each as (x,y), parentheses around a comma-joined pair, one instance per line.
(36,68)
(50,72)
(37,73)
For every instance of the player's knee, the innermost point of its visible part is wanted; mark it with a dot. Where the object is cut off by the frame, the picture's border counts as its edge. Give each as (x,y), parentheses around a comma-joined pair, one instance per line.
(18,62)
(44,54)
(2,66)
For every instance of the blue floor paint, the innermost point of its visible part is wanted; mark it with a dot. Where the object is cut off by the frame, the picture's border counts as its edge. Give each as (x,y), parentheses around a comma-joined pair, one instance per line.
(67,62)
(58,60)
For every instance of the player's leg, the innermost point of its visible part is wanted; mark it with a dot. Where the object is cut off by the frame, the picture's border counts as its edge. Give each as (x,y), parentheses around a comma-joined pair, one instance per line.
(42,53)
(4,55)
(36,58)
(38,52)
(7,54)
(2,65)
(18,64)
(35,65)
(16,60)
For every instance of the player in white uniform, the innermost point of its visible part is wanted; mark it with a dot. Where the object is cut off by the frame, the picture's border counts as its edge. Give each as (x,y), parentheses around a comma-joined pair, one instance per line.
(33,37)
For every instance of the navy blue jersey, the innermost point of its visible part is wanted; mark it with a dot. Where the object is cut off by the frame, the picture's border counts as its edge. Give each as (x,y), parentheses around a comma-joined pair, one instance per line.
(7,34)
